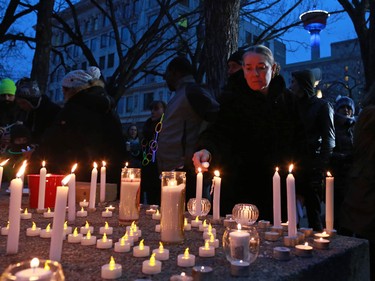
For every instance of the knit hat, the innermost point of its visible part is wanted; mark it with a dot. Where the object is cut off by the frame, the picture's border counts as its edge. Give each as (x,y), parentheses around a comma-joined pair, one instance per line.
(94,72)
(76,78)
(7,87)
(342,101)
(29,90)
(237,56)
(306,81)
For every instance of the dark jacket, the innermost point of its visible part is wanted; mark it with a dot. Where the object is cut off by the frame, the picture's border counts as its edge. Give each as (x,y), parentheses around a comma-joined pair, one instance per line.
(87,130)
(252,136)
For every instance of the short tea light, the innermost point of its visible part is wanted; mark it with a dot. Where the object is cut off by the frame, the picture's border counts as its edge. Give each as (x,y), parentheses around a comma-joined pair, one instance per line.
(47,232)
(212,241)
(33,230)
(207,250)
(135,229)
(307,231)
(48,214)
(82,213)
(141,250)
(107,213)
(84,204)
(75,237)
(181,277)
(321,243)
(304,250)
(271,236)
(186,259)
(203,226)
(26,215)
(151,266)
(86,228)
(67,229)
(104,243)
(5,229)
(239,268)
(127,239)
(196,222)
(209,231)
(111,270)
(161,253)
(187,226)
(202,273)
(89,239)
(122,246)
(281,253)
(322,235)
(106,229)
(157,215)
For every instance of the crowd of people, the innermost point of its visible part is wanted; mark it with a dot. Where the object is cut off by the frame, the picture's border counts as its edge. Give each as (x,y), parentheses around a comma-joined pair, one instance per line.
(257,123)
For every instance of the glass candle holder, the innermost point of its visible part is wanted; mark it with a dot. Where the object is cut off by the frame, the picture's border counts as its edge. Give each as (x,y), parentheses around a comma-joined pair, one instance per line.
(245,214)
(205,207)
(35,269)
(172,207)
(130,191)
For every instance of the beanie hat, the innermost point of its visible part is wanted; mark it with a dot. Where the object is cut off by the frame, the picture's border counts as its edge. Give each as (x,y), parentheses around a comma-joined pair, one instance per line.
(94,72)
(306,80)
(76,78)
(237,57)
(342,101)
(29,90)
(7,87)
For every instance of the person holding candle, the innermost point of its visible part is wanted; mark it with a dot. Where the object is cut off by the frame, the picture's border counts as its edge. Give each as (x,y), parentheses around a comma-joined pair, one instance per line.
(264,109)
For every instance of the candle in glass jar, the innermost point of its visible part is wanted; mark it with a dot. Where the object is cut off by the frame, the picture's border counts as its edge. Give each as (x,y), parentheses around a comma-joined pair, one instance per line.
(33,230)
(72,195)
(239,245)
(26,215)
(291,199)
(186,259)
(34,272)
(161,253)
(42,186)
(141,250)
(151,266)
(103,172)
(112,270)
(329,202)
(106,229)
(216,204)
(276,199)
(94,179)
(198,193)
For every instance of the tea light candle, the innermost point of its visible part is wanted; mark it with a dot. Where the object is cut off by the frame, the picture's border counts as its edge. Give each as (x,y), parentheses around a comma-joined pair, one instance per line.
(229,222)
(156,216)
(34,272)
(206,250)
(210,230)
(141,250)
(321,243)
(212,241)
(33,230)
(107,213)
(112,270)
(271,236)
(157,228)
(111,208)
(26,215)
(262,224)
(187,226)
(151,266)
(89,239)
(186,259)
(133,235)
(307,231)
(203,226)
(202,273)
(196,223)
(47,232)
(67,229)
(85,229)
(239,268)
(161,254)
(322,235)
(135,229)
(152,209)
(278,229)
(106,229)
(181,277)
(84,203)
(5,229)
(48,214)
(104,243)
(304,250)
(75,237)
(285,226)
(127,239)
(281,253)
(122,246)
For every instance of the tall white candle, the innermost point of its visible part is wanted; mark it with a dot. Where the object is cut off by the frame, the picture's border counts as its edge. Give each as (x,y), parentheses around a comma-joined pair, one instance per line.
(57,236)
(2,169)
(291,197)
(14,211)
(94,178)
(198,193)
(102,182)
(217,187)
(276,199)
(329,202)
(42,186)
(72,195)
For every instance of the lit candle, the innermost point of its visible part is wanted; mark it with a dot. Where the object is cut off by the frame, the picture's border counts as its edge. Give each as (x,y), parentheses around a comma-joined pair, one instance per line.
(42,186)
(94,178)
(88,240)
(33,230)
(2,169)
(203,226)
(111,208)
(47,232)
(209,231)
(304,251)
(104,243)
(281,253)
(161,254)
(83,203)
(181,277)
(239,268)
(151,266)
(156,216)
(322,235)
(82,213)
(14,211)
(212,241)
(5,229)
(321,243)
(157,228)
(217,187)
(239,244)
(276,199)
(202,273)
(141,250)
(34,272)
(198,193)
(152,209)
(127,239)
(133,235)
(122,246)
(75,237)
(106,229)
(102,182)
(187,226)
(134,228)
(196,223)
(329,202)
(72,195)
(107,213)
(129,195)
(86,228)
(291,198)
(111,270)
(206,250)
(186,259)
(48,214)
(26,215)
(59,220)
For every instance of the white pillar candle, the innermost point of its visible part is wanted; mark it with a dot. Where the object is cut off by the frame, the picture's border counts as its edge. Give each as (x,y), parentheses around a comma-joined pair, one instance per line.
(111,270)
(104,243)
(291,198)
(2,170)
(198,193)
(42,186)
(102,182)
(26,215)
(72,195)
(33,230)
(161,253)
(14,212)
(94,179)
(329,202)
(186,259)
(106,229)
(59,220)
(217,187)
(151,266)
(88,240)
(141,250)
(239,244)
(276,199)
(206,250)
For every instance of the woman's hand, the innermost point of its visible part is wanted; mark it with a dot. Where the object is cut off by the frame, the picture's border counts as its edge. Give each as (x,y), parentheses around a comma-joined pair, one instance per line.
(201,160)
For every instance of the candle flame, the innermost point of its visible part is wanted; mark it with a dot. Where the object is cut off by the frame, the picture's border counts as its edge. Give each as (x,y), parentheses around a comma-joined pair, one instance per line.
(209,227)
(33,227)
(48,228)
(88,235)
(183,274)
(212,238)
(204,223)
(329,174)
(239,226)
(122,241)
(196,218)
(112,263)
(82,209)
(141,245)
(21,171)
(4,162)
(104,238)
(43,163)
(277,169)
(103,163)
(34,263)
(152,260)
(65,225)
(186,253)
(306,244)
(126,164)
(217,173)
(126,236)
(87,224)
(106,225)
(7,225)
(95,165)
(185,221)
(46,265)
(74,168)
(206,245)
(161,248)
(25,212)
(75,232)
(157,212)
(291,166)
(66,179)
(321,239)
(199,170)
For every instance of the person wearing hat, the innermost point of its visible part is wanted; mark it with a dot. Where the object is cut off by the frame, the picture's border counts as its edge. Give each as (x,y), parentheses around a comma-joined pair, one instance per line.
(317,117)
(235,62)
(40,111)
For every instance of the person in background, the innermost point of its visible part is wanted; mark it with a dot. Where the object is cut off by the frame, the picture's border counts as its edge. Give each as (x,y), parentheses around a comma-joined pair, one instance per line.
(265,111)
(187,113)
(150,181)
(235,62)
(40,111)
(133,147)
(358,208)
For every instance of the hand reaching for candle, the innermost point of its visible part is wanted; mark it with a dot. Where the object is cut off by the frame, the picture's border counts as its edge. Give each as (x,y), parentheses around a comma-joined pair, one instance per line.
(201,158)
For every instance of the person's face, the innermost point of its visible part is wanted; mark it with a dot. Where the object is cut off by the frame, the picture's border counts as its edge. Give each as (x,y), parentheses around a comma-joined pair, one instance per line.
(157,111)
(23,104)
(345,110)
(171,78)
(7,98)
(295,88)
(258,72)
(233,67)
(133,132)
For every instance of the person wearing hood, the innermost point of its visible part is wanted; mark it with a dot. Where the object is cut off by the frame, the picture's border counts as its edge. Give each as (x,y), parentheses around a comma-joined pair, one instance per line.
(317,116)
(87,130)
